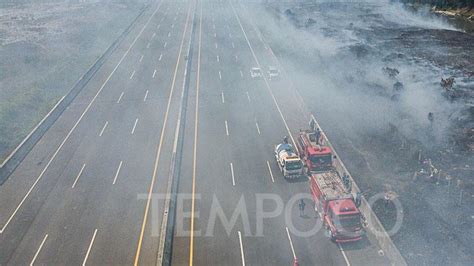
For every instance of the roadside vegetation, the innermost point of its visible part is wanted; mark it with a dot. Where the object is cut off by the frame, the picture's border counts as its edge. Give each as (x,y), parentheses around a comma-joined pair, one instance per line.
(393,87)
(462,8)
(45,47)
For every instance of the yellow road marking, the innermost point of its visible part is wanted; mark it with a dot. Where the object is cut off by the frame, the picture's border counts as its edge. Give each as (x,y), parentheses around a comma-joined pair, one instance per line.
(196,117)
(155,169)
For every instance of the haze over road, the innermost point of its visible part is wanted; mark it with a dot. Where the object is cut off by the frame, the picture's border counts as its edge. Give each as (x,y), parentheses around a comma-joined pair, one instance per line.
(82,195)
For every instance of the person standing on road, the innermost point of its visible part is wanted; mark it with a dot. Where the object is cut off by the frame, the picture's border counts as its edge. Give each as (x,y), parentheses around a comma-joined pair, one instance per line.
(312,124)
(318,136)
(301,205)
(358,199)
(345,180)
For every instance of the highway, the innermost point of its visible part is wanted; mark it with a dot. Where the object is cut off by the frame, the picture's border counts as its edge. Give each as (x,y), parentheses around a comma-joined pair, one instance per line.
(83,194)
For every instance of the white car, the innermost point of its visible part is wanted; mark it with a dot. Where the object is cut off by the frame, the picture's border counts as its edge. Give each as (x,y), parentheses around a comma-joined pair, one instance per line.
(273,72)
(255,72)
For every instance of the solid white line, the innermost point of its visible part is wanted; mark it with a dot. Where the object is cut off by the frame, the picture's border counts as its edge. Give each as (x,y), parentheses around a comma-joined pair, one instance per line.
(217,58)
(154,73)
(241,74)
(258,128)
(226,128)
(103,128)
(141,58)
(78,175)
(133,73)
(31,132)
(264,78)
(146,95)
(241,249)
(270,170)
(233,45)
(166,43)
(78,121)
(117,173)
(134,126)
(222,97)
(89,249)
(232,173)
(120,97)
(248,95)
(344,254)
(161,55)
(220,75)
(39,250)
(291,243)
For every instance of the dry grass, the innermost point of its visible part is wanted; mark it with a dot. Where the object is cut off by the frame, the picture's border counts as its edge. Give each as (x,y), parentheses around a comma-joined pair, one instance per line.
(44,49)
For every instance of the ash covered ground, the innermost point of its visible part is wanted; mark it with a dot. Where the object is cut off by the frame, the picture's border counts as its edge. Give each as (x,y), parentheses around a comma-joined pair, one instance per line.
(45,47)
(371,72)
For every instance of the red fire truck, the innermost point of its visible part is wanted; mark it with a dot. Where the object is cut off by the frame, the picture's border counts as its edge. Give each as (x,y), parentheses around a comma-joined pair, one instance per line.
(332,196)
(316,156)
(336,207)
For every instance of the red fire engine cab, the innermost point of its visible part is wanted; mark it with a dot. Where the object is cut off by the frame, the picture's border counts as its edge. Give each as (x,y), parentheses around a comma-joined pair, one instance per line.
(316,156)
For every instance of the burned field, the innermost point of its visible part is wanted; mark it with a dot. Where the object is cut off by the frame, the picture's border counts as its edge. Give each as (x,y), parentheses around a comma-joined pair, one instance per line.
(394,91)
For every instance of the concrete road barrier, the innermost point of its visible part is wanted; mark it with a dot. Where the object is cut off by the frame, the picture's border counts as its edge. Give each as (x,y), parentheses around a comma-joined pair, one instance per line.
(19,153)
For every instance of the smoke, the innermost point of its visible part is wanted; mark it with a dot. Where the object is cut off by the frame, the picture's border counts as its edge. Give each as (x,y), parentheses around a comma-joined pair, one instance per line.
(396,12)
(336,52)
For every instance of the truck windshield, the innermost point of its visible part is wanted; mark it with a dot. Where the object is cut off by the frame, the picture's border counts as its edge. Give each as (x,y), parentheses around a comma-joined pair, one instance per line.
(294,165)
(321,159)
(348,222)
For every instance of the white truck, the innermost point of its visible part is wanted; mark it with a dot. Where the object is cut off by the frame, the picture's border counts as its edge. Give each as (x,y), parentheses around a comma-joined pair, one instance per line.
(255,72)
(288,161)
(273,72)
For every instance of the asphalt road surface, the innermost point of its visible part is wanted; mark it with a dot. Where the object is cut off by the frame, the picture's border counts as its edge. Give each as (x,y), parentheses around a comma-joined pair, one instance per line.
(83,194)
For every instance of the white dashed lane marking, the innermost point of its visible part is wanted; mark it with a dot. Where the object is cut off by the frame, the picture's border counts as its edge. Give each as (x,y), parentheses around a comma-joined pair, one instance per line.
(117,172)
(103,128)
(120,97)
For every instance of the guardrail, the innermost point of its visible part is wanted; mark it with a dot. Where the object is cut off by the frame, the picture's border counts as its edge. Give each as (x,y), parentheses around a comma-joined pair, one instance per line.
(374,225)
(19,153)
